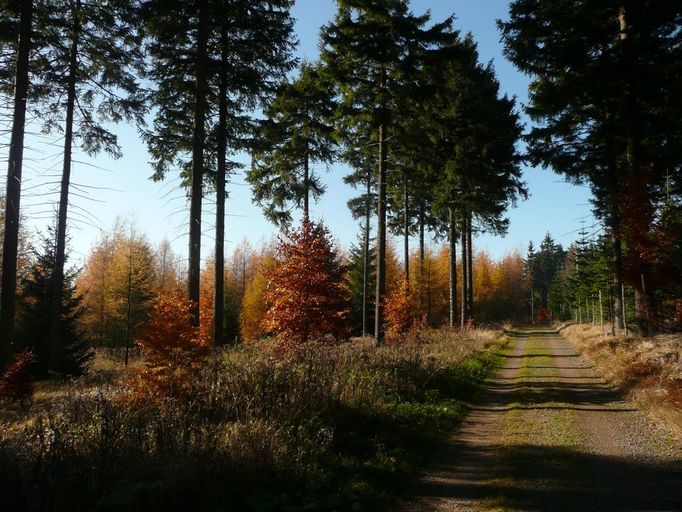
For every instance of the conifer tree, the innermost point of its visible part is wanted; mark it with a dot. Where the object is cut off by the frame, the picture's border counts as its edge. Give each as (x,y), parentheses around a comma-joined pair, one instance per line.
(87,58)
(13,15)
(210,59)
(371,49)
(360,274)
(34,321)
(296,134)
(599,119)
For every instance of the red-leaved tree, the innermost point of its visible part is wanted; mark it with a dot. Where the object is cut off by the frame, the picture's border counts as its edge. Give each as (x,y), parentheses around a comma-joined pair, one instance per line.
(16,384)
(306,288)
(175,351)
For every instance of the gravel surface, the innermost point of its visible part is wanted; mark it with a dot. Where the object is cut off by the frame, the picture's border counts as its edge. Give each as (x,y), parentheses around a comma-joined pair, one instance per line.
(549,434)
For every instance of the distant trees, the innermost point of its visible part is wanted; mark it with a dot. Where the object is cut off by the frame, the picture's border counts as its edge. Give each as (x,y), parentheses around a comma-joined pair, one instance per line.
(118,286)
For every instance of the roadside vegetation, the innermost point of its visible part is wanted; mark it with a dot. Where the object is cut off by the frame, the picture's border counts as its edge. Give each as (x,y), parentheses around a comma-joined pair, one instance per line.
(648,371)
(322,427)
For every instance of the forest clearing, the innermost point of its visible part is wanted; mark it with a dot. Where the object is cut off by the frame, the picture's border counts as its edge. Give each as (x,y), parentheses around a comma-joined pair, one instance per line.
(252,255)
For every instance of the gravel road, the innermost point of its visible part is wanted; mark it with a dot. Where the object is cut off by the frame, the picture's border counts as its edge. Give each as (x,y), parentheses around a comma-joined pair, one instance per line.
(549,434)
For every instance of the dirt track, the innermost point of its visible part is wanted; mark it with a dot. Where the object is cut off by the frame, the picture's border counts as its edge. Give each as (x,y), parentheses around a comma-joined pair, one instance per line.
(550,435)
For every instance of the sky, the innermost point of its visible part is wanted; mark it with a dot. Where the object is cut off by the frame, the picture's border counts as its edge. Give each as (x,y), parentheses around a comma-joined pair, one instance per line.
(104,189)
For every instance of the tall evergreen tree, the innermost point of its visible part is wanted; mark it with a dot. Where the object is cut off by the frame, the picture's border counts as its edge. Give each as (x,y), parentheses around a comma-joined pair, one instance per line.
(10,247)
(88,57)
(296,135)
(361,296)
(604,103)
(371,49)
(207,56)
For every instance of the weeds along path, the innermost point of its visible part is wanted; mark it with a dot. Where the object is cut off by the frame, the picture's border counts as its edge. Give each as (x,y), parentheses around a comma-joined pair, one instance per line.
(549,434)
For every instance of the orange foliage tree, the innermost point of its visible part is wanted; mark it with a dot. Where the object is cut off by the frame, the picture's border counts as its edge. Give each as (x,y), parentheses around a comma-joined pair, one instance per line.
(175,351)
(400,311)
(306,288)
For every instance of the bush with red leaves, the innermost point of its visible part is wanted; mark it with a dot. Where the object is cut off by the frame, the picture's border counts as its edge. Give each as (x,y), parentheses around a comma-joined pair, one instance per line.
(16,385)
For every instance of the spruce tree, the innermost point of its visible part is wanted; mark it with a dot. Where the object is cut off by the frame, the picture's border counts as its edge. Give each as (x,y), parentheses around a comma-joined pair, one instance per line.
(35,314)
(296,134)
(16,21)
(606,112)
(361,296)
(371,50)
(86,60)
(212,62)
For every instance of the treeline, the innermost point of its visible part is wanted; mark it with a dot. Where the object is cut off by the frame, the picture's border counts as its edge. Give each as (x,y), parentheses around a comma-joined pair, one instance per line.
(401,98)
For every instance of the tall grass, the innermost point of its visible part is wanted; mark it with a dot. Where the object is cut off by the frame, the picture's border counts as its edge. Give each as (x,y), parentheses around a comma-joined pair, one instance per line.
(327,427)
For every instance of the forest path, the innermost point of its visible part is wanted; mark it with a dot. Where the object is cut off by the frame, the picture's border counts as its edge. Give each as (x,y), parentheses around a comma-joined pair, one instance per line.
(548,434)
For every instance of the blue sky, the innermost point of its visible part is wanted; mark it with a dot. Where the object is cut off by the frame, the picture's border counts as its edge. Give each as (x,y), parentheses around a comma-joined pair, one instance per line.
(105,188)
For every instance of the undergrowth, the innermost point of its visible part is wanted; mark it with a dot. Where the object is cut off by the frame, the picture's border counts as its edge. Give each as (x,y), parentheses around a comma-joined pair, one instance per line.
(326,428)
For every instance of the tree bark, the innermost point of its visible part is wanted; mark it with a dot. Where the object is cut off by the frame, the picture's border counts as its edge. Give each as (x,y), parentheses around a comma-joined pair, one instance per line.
(421,258)
(381,238)
(365,258)
(452,240)
(10,245)
(221,176)
(406,231)
(632,142)
(60,249)
(306,187)
(470,269)
(198,144)
(465,269)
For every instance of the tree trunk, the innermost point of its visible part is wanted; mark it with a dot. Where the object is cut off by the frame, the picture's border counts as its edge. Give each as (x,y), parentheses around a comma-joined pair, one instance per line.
(470,269)
(421,259)
(306,187)
(60,249)
(406,231)
(452,240)
(129,301)
(10,245)
(219,283)
(365,259)
(198,144)
(632,142)
(465,269)
(381,238)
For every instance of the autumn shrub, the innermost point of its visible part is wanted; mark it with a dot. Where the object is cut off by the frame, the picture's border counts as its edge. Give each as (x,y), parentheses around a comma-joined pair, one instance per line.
(175,351)
(306,288)
(400,310)
(16,384)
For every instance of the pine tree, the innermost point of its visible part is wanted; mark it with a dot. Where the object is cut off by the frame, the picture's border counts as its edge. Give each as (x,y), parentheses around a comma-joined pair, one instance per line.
(476,130)
(35,314)
(211,59)
(88,58)
(296,134)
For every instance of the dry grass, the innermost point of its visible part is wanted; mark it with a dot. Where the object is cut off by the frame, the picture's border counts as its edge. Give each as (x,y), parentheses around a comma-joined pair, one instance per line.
(648,369)
(327,427)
